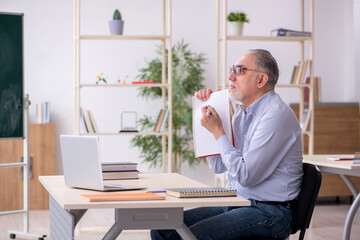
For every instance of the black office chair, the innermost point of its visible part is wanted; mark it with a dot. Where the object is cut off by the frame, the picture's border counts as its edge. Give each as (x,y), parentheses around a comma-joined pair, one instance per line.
(304,205)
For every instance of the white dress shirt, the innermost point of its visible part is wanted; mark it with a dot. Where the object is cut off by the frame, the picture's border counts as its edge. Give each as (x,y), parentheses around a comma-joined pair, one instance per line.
(266,162)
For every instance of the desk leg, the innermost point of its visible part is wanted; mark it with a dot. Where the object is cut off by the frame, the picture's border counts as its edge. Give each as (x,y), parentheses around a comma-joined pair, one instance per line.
(113,232)
(354,207)
(149,218)
(185,232)
(63,222)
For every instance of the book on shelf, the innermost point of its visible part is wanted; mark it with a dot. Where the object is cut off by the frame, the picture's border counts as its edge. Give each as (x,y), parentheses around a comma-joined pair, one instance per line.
(118,166)
(93,123)
(300,71)
(316,89)
(142,82)
(204,142)
(104,197)
(304,71)
(120,174)
(163,122)
(305,119)
(200,192)
(294,74)
(82,119)
(282,32)
(159,120)
(87,120)
(90,124)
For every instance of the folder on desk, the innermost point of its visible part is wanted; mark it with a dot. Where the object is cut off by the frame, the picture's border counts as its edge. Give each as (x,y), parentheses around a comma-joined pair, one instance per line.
(121,197)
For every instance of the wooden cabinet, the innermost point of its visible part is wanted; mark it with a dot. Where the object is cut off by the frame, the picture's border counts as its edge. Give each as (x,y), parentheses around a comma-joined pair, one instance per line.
(336,132)
(42,152)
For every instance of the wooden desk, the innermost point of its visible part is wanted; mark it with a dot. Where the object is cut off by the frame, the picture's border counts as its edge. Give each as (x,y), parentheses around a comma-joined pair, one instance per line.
(344,169)
(66,207)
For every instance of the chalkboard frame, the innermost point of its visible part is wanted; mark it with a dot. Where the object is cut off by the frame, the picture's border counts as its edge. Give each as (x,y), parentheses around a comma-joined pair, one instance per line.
(11,76)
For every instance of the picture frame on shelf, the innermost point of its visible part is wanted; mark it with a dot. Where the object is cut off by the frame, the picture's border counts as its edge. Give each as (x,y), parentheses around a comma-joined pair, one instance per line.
(128,121)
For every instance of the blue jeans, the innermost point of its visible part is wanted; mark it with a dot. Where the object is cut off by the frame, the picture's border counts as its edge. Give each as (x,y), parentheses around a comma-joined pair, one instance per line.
(258,220)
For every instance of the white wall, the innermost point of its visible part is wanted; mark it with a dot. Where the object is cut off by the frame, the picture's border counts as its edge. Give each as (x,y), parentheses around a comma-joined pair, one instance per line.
(49,62)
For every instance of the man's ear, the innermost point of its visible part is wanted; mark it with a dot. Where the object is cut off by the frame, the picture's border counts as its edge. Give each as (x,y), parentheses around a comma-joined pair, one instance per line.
(262,80)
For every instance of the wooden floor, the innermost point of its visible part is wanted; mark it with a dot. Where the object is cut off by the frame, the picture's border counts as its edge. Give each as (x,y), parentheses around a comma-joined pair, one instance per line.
(327,223)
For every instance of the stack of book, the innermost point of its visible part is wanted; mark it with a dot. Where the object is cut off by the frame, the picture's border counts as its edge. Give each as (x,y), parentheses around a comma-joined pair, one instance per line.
(281,32)
(119,170)
(300,71)
(43,112)
(161,120)
(88,121)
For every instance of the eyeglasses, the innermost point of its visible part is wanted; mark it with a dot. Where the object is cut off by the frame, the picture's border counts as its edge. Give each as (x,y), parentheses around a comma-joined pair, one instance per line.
(240,70)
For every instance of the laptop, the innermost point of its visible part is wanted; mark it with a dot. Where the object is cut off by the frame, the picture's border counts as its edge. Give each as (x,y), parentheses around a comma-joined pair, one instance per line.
(82,164)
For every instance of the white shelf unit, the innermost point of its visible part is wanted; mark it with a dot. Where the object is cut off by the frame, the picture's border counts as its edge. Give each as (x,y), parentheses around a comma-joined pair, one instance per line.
(165,85)
(223,38)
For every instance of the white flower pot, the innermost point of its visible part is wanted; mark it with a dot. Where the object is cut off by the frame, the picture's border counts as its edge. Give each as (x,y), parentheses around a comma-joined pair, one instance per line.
(235,28)
(116,27)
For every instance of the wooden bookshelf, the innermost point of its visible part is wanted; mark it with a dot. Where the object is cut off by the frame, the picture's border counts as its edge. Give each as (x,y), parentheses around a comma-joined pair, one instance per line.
(165,39)
(223,38)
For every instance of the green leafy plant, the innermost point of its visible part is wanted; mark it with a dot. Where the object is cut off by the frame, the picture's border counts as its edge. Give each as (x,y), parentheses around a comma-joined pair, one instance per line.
(238,17)
(187,78)
(117,15)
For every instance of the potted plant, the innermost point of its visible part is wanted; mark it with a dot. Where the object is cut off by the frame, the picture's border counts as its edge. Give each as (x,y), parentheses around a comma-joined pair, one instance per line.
(187,78)
(117,24)
(236,23)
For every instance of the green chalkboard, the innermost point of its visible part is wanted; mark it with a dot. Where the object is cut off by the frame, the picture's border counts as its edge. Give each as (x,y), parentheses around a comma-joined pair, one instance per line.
(11,75)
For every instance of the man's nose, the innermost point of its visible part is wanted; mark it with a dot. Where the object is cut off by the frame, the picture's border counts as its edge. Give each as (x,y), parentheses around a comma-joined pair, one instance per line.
(232,77)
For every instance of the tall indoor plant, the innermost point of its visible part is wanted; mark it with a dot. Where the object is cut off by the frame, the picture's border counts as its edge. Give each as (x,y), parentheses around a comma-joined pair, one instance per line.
(187,78)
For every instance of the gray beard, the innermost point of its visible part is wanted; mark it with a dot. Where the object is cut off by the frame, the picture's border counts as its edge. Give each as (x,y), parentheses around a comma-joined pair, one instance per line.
(237,97)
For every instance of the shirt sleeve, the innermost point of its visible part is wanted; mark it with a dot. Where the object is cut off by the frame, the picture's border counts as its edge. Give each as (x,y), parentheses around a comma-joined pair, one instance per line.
(216,164)
(273,137)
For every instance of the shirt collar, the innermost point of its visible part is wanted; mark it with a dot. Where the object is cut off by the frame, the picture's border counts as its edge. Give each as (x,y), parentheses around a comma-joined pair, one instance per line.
(255,105)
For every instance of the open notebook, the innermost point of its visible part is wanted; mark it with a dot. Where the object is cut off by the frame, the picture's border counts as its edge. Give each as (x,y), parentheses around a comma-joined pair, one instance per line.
(205,144)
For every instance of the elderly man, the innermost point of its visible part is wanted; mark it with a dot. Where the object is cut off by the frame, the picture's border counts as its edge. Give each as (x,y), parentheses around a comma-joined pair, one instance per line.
(264,166)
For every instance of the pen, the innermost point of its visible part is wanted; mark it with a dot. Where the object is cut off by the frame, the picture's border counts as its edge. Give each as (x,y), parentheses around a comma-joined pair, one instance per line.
(207,112)
(158,191)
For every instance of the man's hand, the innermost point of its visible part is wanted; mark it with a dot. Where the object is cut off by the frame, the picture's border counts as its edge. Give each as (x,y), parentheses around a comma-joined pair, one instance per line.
(203,94)
(212,122)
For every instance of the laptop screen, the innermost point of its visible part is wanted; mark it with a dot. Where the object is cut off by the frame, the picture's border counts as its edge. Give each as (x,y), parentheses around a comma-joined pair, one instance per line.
(81,161)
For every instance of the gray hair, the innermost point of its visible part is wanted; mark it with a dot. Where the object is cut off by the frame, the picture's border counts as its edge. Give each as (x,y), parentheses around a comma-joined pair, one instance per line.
(265,60)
